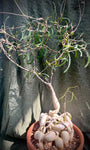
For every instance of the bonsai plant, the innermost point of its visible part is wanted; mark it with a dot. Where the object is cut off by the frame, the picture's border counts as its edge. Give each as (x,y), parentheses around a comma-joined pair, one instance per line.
(31,43)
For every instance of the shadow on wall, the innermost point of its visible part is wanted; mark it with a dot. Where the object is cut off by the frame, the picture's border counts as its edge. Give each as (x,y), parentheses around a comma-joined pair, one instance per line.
(19,145)
(5,144)
(10,143)
(1,144)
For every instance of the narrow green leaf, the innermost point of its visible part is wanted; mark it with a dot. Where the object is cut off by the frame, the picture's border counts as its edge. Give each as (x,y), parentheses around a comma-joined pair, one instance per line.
(80,53)
(28,75)
(36,38)
(44,74)
(61,64)
(52,31)
(88,61)
(29,59)
(55,61)
(76,56)
(69,63)
(45,52)
(37,45)
(45,40)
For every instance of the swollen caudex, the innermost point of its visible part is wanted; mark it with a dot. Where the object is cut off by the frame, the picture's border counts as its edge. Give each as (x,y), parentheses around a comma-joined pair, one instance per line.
(54,128)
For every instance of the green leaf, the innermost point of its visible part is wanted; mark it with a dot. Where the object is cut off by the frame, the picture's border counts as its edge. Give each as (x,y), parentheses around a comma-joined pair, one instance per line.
(80,53)
(44,74)
(88,61)
(36,38)
(69,63)
(48,63)
(52,31)
(37,45)
(61,64)
(29,59)
(28,75)
(45,52)
(54,12)
(55,61)
(76,56)
(29,36)
(45,40)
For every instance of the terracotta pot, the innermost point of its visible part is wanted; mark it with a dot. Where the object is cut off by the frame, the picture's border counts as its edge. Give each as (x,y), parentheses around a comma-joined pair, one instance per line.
(81,137)
(32,147)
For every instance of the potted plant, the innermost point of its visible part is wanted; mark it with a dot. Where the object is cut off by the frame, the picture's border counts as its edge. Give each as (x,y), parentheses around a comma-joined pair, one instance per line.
(31,43)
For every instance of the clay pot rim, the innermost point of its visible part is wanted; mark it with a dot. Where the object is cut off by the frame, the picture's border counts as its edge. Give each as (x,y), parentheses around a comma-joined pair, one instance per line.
(31,146)
(81,137)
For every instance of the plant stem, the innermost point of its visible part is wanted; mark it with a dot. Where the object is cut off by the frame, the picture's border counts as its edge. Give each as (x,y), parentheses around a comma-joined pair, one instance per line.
(55,101)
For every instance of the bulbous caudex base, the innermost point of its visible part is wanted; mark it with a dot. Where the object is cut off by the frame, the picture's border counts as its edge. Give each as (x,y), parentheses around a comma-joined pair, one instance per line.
(32,147)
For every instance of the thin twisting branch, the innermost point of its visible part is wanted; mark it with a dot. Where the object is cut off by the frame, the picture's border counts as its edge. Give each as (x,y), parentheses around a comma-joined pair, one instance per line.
(81,15)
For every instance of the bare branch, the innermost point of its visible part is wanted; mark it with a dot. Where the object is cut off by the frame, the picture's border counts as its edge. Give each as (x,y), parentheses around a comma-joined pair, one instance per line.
(9,57)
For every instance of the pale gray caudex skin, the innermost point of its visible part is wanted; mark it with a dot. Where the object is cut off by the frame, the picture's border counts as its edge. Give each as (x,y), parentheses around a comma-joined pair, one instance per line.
(54,127)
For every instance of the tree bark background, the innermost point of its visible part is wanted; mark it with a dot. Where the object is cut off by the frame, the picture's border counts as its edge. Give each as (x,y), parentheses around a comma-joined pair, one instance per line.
(22,99)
